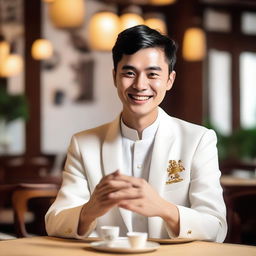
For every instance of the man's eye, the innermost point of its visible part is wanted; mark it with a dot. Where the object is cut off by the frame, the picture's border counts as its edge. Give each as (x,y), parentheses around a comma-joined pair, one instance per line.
(129,74)
(153,75)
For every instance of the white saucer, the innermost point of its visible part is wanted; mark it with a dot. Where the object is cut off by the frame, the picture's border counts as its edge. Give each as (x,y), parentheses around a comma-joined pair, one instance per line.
(123,246)
(171,240)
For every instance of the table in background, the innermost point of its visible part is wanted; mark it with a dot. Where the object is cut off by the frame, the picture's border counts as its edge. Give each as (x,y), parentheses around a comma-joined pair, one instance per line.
(232,181)
(240,198)
(51,246)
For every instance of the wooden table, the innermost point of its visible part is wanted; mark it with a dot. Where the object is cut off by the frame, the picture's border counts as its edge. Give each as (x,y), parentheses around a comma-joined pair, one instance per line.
(229,180)
(50,246)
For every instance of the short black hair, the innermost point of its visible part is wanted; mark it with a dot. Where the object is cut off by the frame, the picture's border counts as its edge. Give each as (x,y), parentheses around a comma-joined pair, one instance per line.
(140,37)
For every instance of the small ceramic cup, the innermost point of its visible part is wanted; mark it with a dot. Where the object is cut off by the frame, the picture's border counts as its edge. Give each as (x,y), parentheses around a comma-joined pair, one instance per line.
(109,233)
(137,239)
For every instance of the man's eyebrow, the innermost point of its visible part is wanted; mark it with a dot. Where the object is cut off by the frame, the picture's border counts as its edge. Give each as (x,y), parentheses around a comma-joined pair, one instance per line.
(125,67)
(154,68)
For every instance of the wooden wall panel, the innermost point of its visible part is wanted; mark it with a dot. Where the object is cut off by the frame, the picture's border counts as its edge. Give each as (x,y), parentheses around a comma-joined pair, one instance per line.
(32,23)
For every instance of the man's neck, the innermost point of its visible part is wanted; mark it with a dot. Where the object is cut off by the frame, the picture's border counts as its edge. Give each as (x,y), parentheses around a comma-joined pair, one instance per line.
(139,123)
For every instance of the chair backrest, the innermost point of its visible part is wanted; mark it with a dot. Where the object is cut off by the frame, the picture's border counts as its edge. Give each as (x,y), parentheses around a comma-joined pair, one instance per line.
(228,167)
(20,197)
(241,212)
(6,212)
(22,169)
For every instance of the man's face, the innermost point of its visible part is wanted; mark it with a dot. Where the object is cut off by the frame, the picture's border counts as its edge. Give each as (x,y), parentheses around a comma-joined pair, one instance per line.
(142,80)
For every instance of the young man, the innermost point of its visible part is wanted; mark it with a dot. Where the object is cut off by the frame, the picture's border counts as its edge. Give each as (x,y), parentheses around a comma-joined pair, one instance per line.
(145,171)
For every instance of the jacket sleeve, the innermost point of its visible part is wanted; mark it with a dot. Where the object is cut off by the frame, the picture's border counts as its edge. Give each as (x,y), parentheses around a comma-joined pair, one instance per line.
(205,219)
(63,216)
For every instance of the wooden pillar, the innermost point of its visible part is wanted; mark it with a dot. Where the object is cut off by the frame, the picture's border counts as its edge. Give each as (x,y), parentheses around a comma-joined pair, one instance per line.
(32,23)
(185,100)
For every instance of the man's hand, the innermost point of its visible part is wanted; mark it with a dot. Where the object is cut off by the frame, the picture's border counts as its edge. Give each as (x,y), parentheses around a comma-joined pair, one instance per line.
(141,198)
(131,193)
(100,201)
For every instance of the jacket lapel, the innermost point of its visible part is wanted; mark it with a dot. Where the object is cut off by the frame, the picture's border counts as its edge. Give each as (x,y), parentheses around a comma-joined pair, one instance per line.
(112,160)
(112,148)
(162,152)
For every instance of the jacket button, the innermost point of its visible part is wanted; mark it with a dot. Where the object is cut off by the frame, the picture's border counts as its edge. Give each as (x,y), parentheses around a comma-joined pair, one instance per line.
(189,232)
(68,231)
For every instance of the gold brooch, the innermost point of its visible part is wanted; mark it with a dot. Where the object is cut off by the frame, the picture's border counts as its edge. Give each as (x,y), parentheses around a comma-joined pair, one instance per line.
(173,171)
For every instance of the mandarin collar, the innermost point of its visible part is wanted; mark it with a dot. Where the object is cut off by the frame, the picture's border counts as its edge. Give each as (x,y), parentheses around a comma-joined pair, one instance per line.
(147,133)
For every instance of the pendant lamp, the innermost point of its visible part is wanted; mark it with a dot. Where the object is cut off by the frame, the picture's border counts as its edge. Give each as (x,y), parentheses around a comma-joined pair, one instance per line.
(130,17)
(4,49)
(161,2)
(103,30)
(41,49)
(194,44)
(12,65)
(67,13)
(156,21)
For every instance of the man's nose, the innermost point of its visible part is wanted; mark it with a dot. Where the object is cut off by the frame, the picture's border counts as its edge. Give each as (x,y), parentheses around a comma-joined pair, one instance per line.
(140,83)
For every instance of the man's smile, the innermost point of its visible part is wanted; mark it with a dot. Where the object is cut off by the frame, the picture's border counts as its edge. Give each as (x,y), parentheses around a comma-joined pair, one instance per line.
(139,97)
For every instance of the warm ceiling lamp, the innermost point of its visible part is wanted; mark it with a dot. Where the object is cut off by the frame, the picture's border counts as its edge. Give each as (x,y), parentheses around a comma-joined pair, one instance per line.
(161,2)
(194,44)
(103,30)
(156,21)
(131,17)
(67,13)
(4,49)
(41,49)
(12,65)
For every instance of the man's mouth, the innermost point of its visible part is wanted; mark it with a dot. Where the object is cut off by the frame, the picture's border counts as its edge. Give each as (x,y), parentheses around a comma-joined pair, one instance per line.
(139,97)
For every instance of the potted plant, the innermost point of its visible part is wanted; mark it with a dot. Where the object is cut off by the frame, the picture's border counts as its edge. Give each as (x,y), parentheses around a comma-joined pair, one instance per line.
(12,107)
(240,145)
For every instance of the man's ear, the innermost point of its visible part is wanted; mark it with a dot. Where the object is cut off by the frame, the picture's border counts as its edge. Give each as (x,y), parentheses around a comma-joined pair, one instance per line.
(171,80)
(114,76)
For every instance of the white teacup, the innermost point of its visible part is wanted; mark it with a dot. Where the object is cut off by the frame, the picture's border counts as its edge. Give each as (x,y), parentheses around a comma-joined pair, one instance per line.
(109,233)
(137,239)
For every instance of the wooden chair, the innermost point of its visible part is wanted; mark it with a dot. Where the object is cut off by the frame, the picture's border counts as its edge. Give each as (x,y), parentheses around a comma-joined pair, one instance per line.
(241,212)
(6,212)
(227,167)
(20,198)
(240,200)
(21,169)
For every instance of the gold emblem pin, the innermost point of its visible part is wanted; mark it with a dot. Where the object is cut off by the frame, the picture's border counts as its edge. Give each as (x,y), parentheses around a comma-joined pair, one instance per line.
(173,170)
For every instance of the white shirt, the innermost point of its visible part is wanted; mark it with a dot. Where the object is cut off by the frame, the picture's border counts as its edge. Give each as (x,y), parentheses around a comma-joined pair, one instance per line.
(137,158)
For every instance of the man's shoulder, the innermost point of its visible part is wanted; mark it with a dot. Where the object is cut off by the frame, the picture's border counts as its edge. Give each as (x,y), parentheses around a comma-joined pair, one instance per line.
(188,131)
(188,125)
(95,131)
(180,125)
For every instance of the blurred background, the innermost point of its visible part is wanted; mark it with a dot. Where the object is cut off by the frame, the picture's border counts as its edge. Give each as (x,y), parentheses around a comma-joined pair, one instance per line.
(56,80)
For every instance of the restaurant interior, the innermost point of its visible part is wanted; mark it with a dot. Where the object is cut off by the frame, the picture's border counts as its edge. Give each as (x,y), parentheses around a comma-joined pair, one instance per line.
(56,80)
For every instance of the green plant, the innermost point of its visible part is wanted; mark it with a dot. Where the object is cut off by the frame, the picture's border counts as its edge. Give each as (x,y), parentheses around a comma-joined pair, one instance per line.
(241,144)
(12,106)
(244,141)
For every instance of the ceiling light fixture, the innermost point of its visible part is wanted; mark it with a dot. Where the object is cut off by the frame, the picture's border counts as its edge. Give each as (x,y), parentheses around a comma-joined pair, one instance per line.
(194,44)
(41,49)
(131,16)
(67,13)
(103,29)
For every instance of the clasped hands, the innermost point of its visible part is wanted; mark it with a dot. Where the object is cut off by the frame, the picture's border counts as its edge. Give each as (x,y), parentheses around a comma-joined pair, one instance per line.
(131,193)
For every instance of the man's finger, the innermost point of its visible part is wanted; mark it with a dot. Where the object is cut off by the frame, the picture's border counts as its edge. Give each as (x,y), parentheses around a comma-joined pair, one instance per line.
(136,182)
(113,186)
(128,193)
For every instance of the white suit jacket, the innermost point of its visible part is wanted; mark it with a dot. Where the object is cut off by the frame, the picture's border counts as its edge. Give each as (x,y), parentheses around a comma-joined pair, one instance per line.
(98,152)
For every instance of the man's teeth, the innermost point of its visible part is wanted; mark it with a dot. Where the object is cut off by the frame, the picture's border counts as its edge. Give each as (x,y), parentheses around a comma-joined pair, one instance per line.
(140,97)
